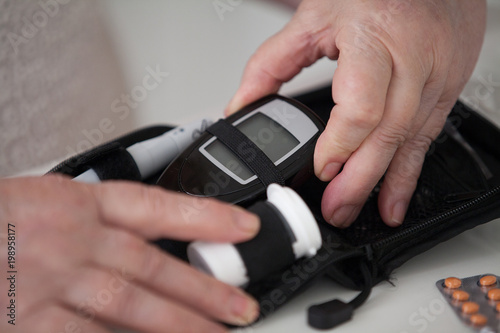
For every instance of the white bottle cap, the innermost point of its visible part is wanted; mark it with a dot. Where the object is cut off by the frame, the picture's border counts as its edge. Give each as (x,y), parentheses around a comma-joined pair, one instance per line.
(299,217)
(221,260)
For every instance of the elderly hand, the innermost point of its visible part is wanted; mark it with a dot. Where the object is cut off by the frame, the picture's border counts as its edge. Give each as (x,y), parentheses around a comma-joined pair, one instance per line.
(401,66)
(84,263)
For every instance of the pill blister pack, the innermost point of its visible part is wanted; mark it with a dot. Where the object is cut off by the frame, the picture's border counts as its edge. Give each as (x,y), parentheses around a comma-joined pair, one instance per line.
(475,300)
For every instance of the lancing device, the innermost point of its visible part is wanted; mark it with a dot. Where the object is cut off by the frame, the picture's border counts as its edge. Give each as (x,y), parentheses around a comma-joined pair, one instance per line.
(155,154)
(288,232)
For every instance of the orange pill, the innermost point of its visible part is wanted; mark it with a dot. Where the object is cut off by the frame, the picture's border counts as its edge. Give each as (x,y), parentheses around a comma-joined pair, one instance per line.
(494,294)
(452,282)
(478,320)
(488,280)
(498,307)
(470,307)
(460,295)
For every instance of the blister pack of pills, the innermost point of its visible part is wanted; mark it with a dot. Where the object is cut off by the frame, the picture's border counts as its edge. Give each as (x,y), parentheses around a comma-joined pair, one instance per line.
(475,300)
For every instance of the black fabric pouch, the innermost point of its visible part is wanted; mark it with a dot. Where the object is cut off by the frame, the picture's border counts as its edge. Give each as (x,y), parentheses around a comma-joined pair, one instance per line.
(459,188)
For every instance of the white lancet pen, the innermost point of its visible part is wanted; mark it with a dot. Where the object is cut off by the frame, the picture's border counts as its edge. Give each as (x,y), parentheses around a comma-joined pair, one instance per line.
(154,154)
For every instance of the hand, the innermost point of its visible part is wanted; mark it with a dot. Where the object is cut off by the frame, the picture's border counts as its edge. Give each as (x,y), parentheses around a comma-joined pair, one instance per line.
(84,263)
(401,66)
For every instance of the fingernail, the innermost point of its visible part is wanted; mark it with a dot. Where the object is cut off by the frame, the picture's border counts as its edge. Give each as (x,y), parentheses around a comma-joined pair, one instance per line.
(329,171)
(343,216)
(399,212)
(244,309)
(245,221)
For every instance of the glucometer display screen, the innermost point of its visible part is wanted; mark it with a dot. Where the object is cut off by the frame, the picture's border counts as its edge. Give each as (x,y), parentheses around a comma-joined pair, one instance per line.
(272,138)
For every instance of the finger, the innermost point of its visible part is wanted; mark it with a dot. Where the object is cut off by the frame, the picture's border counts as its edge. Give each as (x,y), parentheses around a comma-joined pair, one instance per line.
(173,278)
(152,212)
(345,195)
(359,89)
(99,295)
(402,175)
(276,61)
(54,318)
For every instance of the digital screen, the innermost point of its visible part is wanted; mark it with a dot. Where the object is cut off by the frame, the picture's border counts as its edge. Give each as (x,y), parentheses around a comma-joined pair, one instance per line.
(272,138)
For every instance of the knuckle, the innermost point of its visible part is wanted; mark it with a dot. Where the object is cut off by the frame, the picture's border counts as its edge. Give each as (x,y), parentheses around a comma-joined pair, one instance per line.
(127,304)
(340,150)
(104,201)
(82,285)
(126,240)
(407,172)
(153,264)
(420,143)
(403,175)
(402,181)
(391,136)
(367,38)
(364,116)
(154,200)
(150,260)
(332,146)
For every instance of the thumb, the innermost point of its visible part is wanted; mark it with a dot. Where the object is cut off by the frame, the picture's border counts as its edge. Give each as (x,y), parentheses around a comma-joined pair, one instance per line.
(276,61)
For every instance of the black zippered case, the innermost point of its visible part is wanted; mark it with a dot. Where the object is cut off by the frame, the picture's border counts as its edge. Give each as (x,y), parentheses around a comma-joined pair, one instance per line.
(459,188)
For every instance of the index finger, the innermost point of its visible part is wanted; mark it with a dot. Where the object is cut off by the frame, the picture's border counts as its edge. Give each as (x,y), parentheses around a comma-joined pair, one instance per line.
(153,212)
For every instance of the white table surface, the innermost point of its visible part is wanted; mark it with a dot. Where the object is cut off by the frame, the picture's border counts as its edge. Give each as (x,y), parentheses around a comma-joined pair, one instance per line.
(205,56)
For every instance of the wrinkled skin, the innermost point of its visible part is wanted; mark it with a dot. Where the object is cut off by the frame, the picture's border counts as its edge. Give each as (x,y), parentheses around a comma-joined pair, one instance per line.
(84,262)
(401,66)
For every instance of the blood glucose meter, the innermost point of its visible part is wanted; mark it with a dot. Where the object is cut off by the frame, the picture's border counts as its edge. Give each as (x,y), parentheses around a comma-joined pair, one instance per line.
(269,141)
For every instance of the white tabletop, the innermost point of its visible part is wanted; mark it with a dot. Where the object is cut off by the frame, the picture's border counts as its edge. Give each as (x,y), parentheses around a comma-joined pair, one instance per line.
(413,304)
(205,54)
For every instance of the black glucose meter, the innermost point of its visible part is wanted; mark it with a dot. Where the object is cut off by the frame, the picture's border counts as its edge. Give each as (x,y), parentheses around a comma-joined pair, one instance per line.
(269,141)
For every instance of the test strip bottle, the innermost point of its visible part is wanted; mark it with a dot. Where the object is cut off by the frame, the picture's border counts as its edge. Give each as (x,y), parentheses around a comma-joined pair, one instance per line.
(288,232)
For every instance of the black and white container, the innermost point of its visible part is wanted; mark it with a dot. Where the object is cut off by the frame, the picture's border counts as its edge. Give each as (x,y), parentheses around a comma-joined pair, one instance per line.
(288,232)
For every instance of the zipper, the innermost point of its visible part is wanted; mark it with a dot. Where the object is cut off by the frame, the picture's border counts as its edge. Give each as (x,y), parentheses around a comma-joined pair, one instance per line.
(429,223)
